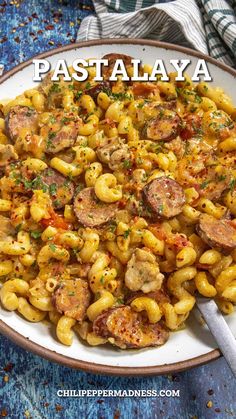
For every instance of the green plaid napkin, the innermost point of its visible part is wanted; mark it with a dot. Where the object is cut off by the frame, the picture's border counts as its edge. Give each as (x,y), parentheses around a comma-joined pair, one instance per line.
(208,26)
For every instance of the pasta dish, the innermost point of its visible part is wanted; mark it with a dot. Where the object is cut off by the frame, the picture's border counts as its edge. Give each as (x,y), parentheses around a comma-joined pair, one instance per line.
(118,205)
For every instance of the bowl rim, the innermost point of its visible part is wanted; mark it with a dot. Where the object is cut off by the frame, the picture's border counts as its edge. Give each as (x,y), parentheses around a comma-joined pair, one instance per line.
(76,363)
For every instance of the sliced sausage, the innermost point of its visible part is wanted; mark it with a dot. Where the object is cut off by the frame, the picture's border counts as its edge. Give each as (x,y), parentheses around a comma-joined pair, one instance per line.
(128,329)
(93,91)
(72,298)
(90,211)
(217,233)
(20,117)
(164,196)
(60,188)
(111,62)
(164,127)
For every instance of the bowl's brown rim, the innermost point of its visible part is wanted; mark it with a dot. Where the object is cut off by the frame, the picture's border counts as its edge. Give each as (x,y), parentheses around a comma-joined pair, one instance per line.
(76,363)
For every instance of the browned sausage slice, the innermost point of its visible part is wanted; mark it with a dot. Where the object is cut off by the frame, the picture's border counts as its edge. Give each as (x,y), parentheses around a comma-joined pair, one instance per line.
(217,233)
(164,196)
(90,211)
(111,62)
(164,127)
(20,117)
(128,329)
(93,91)
(60,189)
(72,298)
(61,139)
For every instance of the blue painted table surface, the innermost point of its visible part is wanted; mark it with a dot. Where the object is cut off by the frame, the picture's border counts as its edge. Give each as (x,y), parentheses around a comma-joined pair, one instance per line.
(29,384)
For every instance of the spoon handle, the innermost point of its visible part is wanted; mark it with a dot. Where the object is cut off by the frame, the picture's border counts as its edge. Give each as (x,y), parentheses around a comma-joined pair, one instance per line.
(219,329)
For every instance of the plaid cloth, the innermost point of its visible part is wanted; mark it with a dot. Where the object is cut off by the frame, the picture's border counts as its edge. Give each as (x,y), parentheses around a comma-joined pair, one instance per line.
(208,26)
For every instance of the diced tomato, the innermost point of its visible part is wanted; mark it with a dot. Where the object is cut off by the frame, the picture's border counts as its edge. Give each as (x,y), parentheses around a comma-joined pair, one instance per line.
(178,241)
(57,221)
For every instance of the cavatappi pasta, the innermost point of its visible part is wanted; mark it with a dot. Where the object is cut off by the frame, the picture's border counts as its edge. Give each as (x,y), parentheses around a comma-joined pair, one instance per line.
(118,204)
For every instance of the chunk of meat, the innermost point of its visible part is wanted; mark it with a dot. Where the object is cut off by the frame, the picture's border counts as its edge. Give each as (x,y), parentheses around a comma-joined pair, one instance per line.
(164,127)
(114,154)
(60,188)
(93,91)
(53,90)
(143,272)
(72,298)
(20,117)
(164,196)
(128,329)
(7,154)
(90,211)
(64,138)
(192,126)
(6,228)
(198,171)
(214,186)
(217,233)
(60,131)
(144,89)
(177,146)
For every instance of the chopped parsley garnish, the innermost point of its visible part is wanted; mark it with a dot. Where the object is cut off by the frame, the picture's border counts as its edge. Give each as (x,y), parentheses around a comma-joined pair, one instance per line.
(55,88)
(53,189)
(127,233)
(52,119)
(140,105)
(232,184)
(198,99)
(221,178)
(71,87)
(57,203)
(102,279)
(121,96)
(52,247)
(49,143)
(79,187)
(120,300)
(88,85)
(161,209)
(112,226)
(78,94)
(71,293)
(127,164)
(35,234)
(204,184)
(18,227)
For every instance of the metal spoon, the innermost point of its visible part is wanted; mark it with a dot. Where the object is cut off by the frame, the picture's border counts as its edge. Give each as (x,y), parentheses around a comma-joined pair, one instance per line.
(219,329)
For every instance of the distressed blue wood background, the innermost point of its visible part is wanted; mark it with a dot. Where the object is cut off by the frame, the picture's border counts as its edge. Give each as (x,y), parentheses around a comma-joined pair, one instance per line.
(29,384)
